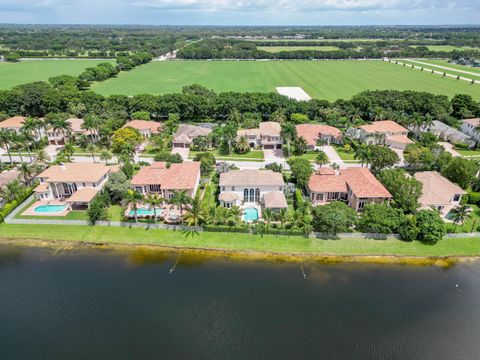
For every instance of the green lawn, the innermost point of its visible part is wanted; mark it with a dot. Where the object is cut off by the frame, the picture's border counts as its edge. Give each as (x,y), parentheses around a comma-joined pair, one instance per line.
(12,74)
(268,243)
(469,152)
(320,79)
(309,155)
(453,66)
(254,155)
(344,154)
(449,48)
(446,64)
(474,222)
(275,49)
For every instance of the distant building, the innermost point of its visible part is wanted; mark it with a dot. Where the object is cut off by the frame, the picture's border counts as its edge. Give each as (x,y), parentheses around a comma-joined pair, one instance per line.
(185,134)
(355,186)
(312,133)
(261,187)
(471,127)
(438,192)
(386,132)
(267,136)
(144,127)
(58,137)
(16,124)
(446,133)
(160,179)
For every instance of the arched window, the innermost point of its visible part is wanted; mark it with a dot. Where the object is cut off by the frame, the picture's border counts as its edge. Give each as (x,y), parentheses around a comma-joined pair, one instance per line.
(257,195)
(252,195)
(245,195)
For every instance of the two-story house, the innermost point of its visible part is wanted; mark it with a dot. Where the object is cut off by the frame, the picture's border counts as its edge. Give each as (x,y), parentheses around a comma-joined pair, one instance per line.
(385,132)
(16,124)
(315,133)
(260,187)
(354,186)
(144,127)
(186,134)
(471,127)
(59,137)
(438,192)
(160,179)
(268,135)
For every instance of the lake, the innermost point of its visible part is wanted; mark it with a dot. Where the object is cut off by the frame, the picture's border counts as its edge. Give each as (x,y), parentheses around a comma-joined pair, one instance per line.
(101,304)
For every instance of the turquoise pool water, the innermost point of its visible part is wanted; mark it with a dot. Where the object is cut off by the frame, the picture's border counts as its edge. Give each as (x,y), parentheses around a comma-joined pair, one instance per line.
(50,208)
(250,214)
(144,212)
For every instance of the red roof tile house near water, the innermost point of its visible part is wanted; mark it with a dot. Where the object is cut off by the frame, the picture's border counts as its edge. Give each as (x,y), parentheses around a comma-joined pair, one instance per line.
(312,133)
(355,186)
(159,179)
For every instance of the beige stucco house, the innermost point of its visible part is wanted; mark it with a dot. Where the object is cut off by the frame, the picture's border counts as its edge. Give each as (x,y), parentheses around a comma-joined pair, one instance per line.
(266,136)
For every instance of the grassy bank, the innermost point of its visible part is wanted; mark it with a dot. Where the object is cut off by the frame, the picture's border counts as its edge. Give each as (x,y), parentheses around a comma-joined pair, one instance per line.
(241,242)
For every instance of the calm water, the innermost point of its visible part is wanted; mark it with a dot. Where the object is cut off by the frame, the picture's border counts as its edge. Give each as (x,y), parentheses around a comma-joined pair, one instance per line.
(98,304)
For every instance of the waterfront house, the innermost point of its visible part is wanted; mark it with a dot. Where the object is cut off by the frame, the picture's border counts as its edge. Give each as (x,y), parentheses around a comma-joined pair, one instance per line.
(315,133)
(385,132)
(186,133)
(77,184)
(438,192)
(266,136)
(158,178)
(144,127)
(59,137)
(257,188)
(470,127)
(354,186)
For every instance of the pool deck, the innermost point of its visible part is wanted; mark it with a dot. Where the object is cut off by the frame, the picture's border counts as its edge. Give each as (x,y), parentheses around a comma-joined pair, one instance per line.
(251,205)
(31,209)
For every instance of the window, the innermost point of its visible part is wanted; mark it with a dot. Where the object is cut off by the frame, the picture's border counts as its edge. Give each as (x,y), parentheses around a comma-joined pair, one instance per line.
(233,188)
(319,197)
(245,195)
(154,188)
(223,188)
(280,188)
(69,189)
(252,195)
(457,197)
(257,195)
(228,205)
(361,204)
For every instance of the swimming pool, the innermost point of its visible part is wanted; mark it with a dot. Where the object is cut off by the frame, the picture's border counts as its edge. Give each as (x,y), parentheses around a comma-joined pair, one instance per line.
(250,214)
(50,208)
(145,212)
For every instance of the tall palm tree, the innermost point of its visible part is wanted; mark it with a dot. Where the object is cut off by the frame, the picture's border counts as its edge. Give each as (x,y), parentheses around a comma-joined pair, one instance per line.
(196,214)
(63,126)
(28,139)
(91,124)
(68,151)
(242,146)
(154,201)
(17,140)
(42,156)
(282,216)
(289,132)
(181,199)
(133,198)
(321,158)
(105,155)
(6,141)
(33,126)
(362,153)
(229,133)
(26,171)
(460,214)
(267,216)
(91,149)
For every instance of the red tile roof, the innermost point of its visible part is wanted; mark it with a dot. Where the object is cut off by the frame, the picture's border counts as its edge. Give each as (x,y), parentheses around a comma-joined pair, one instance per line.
(384,126)
(181,176)
(363,183)
(312,132)
(327,183)
(153,126)
(15,122)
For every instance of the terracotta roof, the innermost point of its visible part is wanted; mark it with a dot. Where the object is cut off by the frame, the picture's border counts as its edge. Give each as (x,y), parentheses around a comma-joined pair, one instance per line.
(312,132)
(248,132)
(363,184)
(275,200)
(13,122)
(399,139)
(43,187)
(76,125)
(84,195)
(186,133)
(251,178)
(228,196)
(270,128)
(436,190)
(76,172)
(181,176)
(475,122)
(8,176)
(327,182)
(384,126)
(326,171)
(153,126)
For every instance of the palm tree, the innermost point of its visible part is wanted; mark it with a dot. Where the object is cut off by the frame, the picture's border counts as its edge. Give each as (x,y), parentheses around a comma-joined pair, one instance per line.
(196,214)
(321,158)
(460,214)
(181,198)
(267,215)
(278,116)
(28,141)
(26,171)
(33,126)
(17,140)
(63,126)
(68,150)
(42,156)
(229,133)
(13,190)
(133,198)
(282,216)
(154,201)
(105,155)
(289,132)
(362,153)
(91,149)
(6,140)
(90,123)
(242,146)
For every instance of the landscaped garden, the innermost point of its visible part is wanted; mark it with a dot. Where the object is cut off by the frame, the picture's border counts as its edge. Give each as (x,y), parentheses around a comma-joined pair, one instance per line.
(252,155)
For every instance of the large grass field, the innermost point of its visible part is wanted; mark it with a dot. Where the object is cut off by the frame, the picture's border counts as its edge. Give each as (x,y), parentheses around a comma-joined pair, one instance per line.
(12,74)
(242,242)
(329,80)
(275,49)
(430,64)
(449,48)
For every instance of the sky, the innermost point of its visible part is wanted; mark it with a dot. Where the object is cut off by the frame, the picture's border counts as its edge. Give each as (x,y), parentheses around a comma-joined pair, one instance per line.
(241,12)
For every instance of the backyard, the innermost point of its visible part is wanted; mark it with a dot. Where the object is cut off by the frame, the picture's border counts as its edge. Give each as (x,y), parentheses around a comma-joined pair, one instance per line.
(329,80)
(252,155)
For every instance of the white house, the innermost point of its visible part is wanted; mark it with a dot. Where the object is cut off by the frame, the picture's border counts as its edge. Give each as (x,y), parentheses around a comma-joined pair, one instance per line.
(260,187)
(470,127)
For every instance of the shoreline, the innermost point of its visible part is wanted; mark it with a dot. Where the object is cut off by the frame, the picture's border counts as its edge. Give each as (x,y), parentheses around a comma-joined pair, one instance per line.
(245,255)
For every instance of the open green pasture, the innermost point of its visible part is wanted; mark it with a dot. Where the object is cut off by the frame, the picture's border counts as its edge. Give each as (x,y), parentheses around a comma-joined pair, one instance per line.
(329,80)
(275,49)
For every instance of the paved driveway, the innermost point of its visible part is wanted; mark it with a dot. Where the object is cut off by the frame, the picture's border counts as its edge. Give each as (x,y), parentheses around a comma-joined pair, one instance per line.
(273,155)
(182,151)
(449,147)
